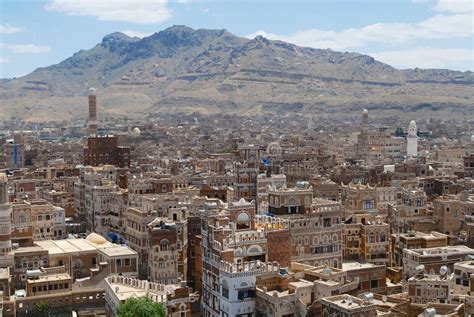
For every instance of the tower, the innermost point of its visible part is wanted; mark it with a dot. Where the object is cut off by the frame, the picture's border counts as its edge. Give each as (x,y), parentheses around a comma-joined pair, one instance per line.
(412,139)
(6,256)
(365,117)
(362,138)
(92,120)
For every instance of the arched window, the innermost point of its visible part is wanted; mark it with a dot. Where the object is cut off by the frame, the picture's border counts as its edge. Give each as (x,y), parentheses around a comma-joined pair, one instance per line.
(164,245)
(243,220)
(161,263)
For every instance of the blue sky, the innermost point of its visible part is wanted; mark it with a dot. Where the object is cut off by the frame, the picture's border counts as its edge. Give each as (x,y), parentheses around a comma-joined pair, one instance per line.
(403,33)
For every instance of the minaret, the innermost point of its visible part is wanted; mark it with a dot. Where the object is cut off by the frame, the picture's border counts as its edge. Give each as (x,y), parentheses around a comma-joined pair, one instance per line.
(412,140)
(365,117)
(311,124)
(362,139)
(6,256)
(92,120)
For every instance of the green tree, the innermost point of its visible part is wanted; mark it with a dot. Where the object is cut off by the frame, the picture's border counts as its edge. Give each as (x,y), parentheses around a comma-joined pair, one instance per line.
(141,307)
(43,308)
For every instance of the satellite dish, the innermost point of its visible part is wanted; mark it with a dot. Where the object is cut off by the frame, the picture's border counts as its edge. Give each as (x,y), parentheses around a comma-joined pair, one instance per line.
(443,270)
(420,269)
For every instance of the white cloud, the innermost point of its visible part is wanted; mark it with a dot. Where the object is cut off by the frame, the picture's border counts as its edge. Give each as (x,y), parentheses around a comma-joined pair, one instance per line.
(455,6)
(427,57)
(436,27)
(9,29)
(25,48)
(133,33)
(4,60)
(134,11)
(205,10)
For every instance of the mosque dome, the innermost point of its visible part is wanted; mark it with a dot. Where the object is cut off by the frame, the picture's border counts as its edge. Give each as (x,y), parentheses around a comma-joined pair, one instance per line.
(136,132)
(96,239)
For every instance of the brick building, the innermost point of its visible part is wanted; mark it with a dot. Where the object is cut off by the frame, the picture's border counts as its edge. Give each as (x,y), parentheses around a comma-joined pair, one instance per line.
(105,150)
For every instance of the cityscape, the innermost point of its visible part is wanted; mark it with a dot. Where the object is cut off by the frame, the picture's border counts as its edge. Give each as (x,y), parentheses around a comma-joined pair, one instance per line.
(194,172)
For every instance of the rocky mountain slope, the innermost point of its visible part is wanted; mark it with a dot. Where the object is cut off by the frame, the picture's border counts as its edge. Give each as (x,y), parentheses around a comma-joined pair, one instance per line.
(182,69)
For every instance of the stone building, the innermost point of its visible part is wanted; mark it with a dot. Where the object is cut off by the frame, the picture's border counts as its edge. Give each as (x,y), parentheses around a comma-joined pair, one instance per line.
(288,201)
(105,150)
(6,256)
(264,182)
(448,215)
(372,277)
(234,253)
(433,258)
(415,240)
(298,292)
(366,238)
(348,305)
(411,213)
(430,287)
(469,165)
(168,251)
(176,299)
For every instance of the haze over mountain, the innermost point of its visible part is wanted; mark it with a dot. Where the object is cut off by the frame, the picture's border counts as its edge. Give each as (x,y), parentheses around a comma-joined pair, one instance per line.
(182,69)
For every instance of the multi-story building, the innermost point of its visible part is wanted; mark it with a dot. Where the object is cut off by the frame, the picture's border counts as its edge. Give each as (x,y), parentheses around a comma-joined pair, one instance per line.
(411,213)
(414,240)
(348,305)
(315,225)
(378,146)
(168,251)
(433,258)
(22,224)
(372,277)
(234,253)
(176,299)
(105,150)
(299,291)
(366,238)
(247,171)
(430,287)
(463,278)
(469,165)
(447,213)
(317,236)
(290,201)
(12,154)
(137,237)
(264,181)
(48,221)
(325,188)
(359,198)
(6,256)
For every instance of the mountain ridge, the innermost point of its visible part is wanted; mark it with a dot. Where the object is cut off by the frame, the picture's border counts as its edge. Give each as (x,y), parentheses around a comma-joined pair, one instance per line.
(183,69)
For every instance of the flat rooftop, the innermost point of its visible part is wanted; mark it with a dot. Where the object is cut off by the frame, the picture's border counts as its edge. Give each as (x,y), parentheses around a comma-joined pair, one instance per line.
(346,301)
(350,266)
(97,243)
(50,278)
(124,292)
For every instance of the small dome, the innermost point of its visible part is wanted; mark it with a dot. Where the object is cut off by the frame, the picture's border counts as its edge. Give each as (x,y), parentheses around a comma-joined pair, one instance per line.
(136,132)
(96,239)
(365,111)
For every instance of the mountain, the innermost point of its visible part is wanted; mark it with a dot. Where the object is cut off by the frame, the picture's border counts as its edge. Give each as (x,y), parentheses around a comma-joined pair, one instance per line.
(182,69)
